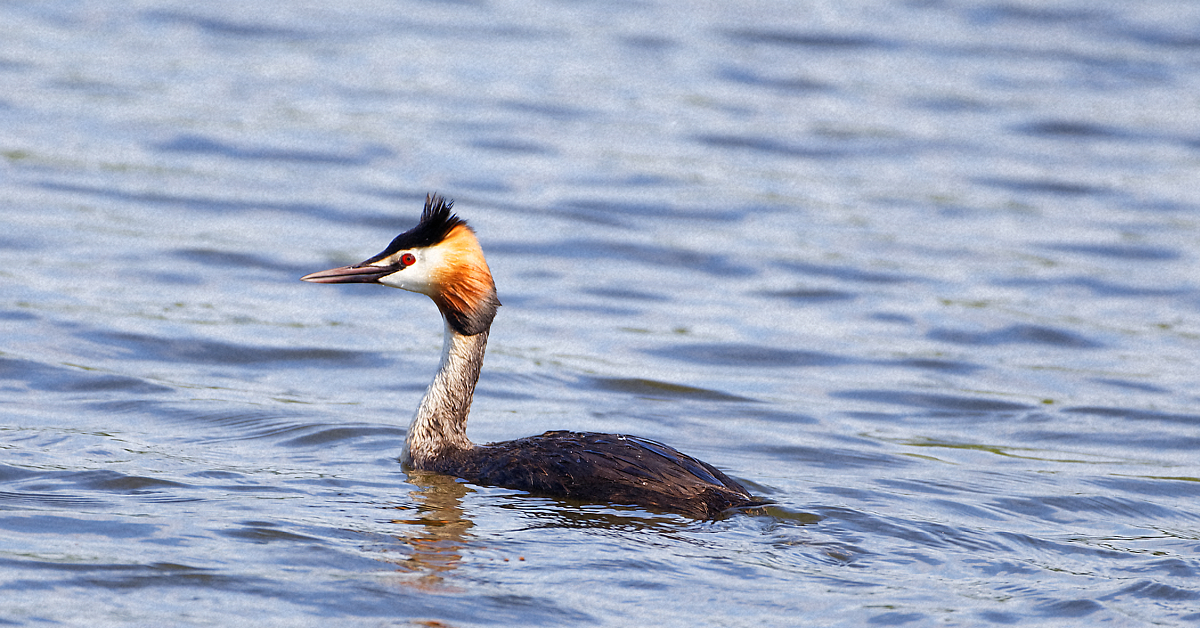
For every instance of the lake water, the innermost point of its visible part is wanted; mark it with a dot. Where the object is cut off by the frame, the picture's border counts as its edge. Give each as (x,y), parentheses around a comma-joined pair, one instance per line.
(923,273)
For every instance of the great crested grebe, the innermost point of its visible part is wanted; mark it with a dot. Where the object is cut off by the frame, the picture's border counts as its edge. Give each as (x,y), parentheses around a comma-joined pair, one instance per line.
(441,259)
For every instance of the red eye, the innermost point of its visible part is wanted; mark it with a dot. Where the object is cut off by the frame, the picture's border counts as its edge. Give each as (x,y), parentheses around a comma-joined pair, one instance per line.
(408,259)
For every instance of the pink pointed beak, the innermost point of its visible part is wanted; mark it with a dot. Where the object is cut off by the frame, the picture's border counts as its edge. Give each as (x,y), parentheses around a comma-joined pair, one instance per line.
(349,274)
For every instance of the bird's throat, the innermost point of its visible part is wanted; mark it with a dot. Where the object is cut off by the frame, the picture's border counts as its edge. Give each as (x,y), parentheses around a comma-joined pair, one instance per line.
(440,425)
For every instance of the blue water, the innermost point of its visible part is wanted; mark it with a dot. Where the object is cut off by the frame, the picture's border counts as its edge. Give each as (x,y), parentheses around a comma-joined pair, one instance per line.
(924,274)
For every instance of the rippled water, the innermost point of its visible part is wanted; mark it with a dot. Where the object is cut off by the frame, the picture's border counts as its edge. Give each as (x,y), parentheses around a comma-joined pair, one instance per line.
(922,273)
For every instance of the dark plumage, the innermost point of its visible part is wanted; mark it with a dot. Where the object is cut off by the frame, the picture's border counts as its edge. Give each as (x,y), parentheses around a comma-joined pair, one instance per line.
(591,467)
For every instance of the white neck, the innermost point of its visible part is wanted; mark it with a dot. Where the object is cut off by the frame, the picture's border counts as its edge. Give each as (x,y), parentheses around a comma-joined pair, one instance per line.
(440,424)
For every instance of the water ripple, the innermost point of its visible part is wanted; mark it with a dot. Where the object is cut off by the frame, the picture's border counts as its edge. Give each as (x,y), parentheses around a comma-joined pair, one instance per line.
(801,39)
(189,143)
(62,525)
(1119,251)
(227,27)
(747,355)
(1016,334)
(647,388)
(933,401)
(197,351)
(41,376)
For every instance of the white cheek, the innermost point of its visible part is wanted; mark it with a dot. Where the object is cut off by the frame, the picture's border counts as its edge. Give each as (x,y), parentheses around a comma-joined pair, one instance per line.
(415,278)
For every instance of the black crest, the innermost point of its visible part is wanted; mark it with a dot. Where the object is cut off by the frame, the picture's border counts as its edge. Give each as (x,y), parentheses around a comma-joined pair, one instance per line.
(436,222)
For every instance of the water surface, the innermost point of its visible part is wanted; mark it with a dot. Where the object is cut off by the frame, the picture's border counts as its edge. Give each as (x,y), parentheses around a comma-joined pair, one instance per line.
(924,274)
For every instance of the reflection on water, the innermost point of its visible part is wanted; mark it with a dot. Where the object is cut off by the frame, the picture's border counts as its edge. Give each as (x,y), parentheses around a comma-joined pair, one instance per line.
(440,530)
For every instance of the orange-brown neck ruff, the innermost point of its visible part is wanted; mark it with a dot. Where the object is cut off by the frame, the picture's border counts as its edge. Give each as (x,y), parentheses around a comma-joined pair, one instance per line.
(467,294)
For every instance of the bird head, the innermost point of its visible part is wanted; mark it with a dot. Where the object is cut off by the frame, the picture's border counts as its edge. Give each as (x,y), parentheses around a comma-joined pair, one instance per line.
(440,258)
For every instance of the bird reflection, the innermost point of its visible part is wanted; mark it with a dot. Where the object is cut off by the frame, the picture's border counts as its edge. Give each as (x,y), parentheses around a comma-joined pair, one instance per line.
(439,531)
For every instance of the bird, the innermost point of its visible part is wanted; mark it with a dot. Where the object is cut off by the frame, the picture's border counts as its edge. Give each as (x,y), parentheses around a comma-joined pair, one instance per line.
(441,258)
